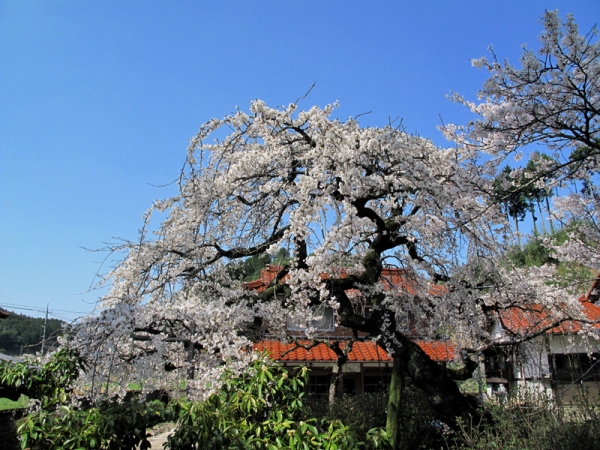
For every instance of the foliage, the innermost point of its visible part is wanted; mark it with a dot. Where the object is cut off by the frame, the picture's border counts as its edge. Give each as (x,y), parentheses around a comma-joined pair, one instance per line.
(21,402)
(516,196)
(536,424)
(18,332)
(533,253)
(538,251)
(419,428)
(249,269)
(49,383)
(108,426)
(359,412)
(262,409)
(56,421)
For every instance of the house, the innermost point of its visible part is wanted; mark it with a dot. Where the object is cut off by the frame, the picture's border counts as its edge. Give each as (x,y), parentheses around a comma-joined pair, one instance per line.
(367,370)
(368,366)
(561,362)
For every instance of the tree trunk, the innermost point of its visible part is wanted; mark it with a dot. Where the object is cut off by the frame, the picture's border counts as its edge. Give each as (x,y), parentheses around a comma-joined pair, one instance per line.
(542,216)
(439,384)
(518,235)
(335,376)
(394,409)
(549,215)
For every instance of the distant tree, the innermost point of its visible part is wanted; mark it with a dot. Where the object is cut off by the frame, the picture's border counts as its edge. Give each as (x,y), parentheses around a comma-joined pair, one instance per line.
(514,201)
(539,251)
(20,333)
(553,99)
(249,269)
(540,178)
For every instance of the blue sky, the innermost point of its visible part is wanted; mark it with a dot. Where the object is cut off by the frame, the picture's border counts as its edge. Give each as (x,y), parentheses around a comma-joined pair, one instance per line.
(98,100)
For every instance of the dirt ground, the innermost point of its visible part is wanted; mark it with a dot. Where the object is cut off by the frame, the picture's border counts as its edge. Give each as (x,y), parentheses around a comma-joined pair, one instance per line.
(160,435)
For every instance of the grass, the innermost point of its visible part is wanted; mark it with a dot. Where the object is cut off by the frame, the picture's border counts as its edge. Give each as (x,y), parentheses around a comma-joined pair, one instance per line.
(6,404)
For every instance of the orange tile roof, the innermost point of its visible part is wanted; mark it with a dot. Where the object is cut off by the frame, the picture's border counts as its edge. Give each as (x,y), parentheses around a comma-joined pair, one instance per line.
(439,350)
(367,351)
(536,319)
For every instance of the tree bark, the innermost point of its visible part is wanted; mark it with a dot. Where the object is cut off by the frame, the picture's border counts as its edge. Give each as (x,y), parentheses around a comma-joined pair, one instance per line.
(394,410)
(438,382)
(335,376)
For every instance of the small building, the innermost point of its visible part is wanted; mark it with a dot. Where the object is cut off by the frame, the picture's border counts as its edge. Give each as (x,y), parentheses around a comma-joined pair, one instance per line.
(561,362)
(368,366)
(368,369)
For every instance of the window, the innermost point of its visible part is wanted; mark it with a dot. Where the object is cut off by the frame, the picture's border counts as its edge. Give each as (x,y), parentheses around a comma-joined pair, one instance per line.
(495,364)
(349,384)
(375,383)
(318,385)
(575,367)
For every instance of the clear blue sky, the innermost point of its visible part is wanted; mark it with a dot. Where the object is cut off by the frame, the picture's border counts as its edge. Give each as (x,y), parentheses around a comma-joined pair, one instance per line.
(98,100)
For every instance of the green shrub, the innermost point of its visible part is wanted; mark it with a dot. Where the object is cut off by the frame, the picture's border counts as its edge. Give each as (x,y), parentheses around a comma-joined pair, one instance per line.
(531,422)
(359,412)
(55,423)
(109,425)
(262,409)
(363,412)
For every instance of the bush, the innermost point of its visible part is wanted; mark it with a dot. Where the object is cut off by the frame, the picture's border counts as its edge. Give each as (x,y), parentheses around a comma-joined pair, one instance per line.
(109,425)
(359,412)
(262,409)
(419,428)
(534,423)
(56,423)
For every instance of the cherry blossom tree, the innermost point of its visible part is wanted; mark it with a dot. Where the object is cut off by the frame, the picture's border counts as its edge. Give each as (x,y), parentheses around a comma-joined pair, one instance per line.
(345,201)
(552,100)
(337,196)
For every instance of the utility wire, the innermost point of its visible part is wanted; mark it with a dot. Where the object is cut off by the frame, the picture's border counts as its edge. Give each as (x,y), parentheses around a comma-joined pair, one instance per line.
(32,308)
(12,305)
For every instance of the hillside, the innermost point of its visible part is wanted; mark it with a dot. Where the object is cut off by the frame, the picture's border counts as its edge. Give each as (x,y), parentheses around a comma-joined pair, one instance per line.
(23,334)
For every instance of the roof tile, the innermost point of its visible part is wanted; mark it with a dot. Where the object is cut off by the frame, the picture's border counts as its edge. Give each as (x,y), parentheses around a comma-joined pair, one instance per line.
(367,351)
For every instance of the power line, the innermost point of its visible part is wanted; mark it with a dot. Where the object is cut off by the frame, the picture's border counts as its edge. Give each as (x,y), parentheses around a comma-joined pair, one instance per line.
(12,305)
(52,313)
(40,308)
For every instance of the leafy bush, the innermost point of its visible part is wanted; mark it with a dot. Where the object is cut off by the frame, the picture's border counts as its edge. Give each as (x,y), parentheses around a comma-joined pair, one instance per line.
(359,412)
(55,422)
(534,423)
(49,383)
(262,409)
(362,412)
(110,425)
